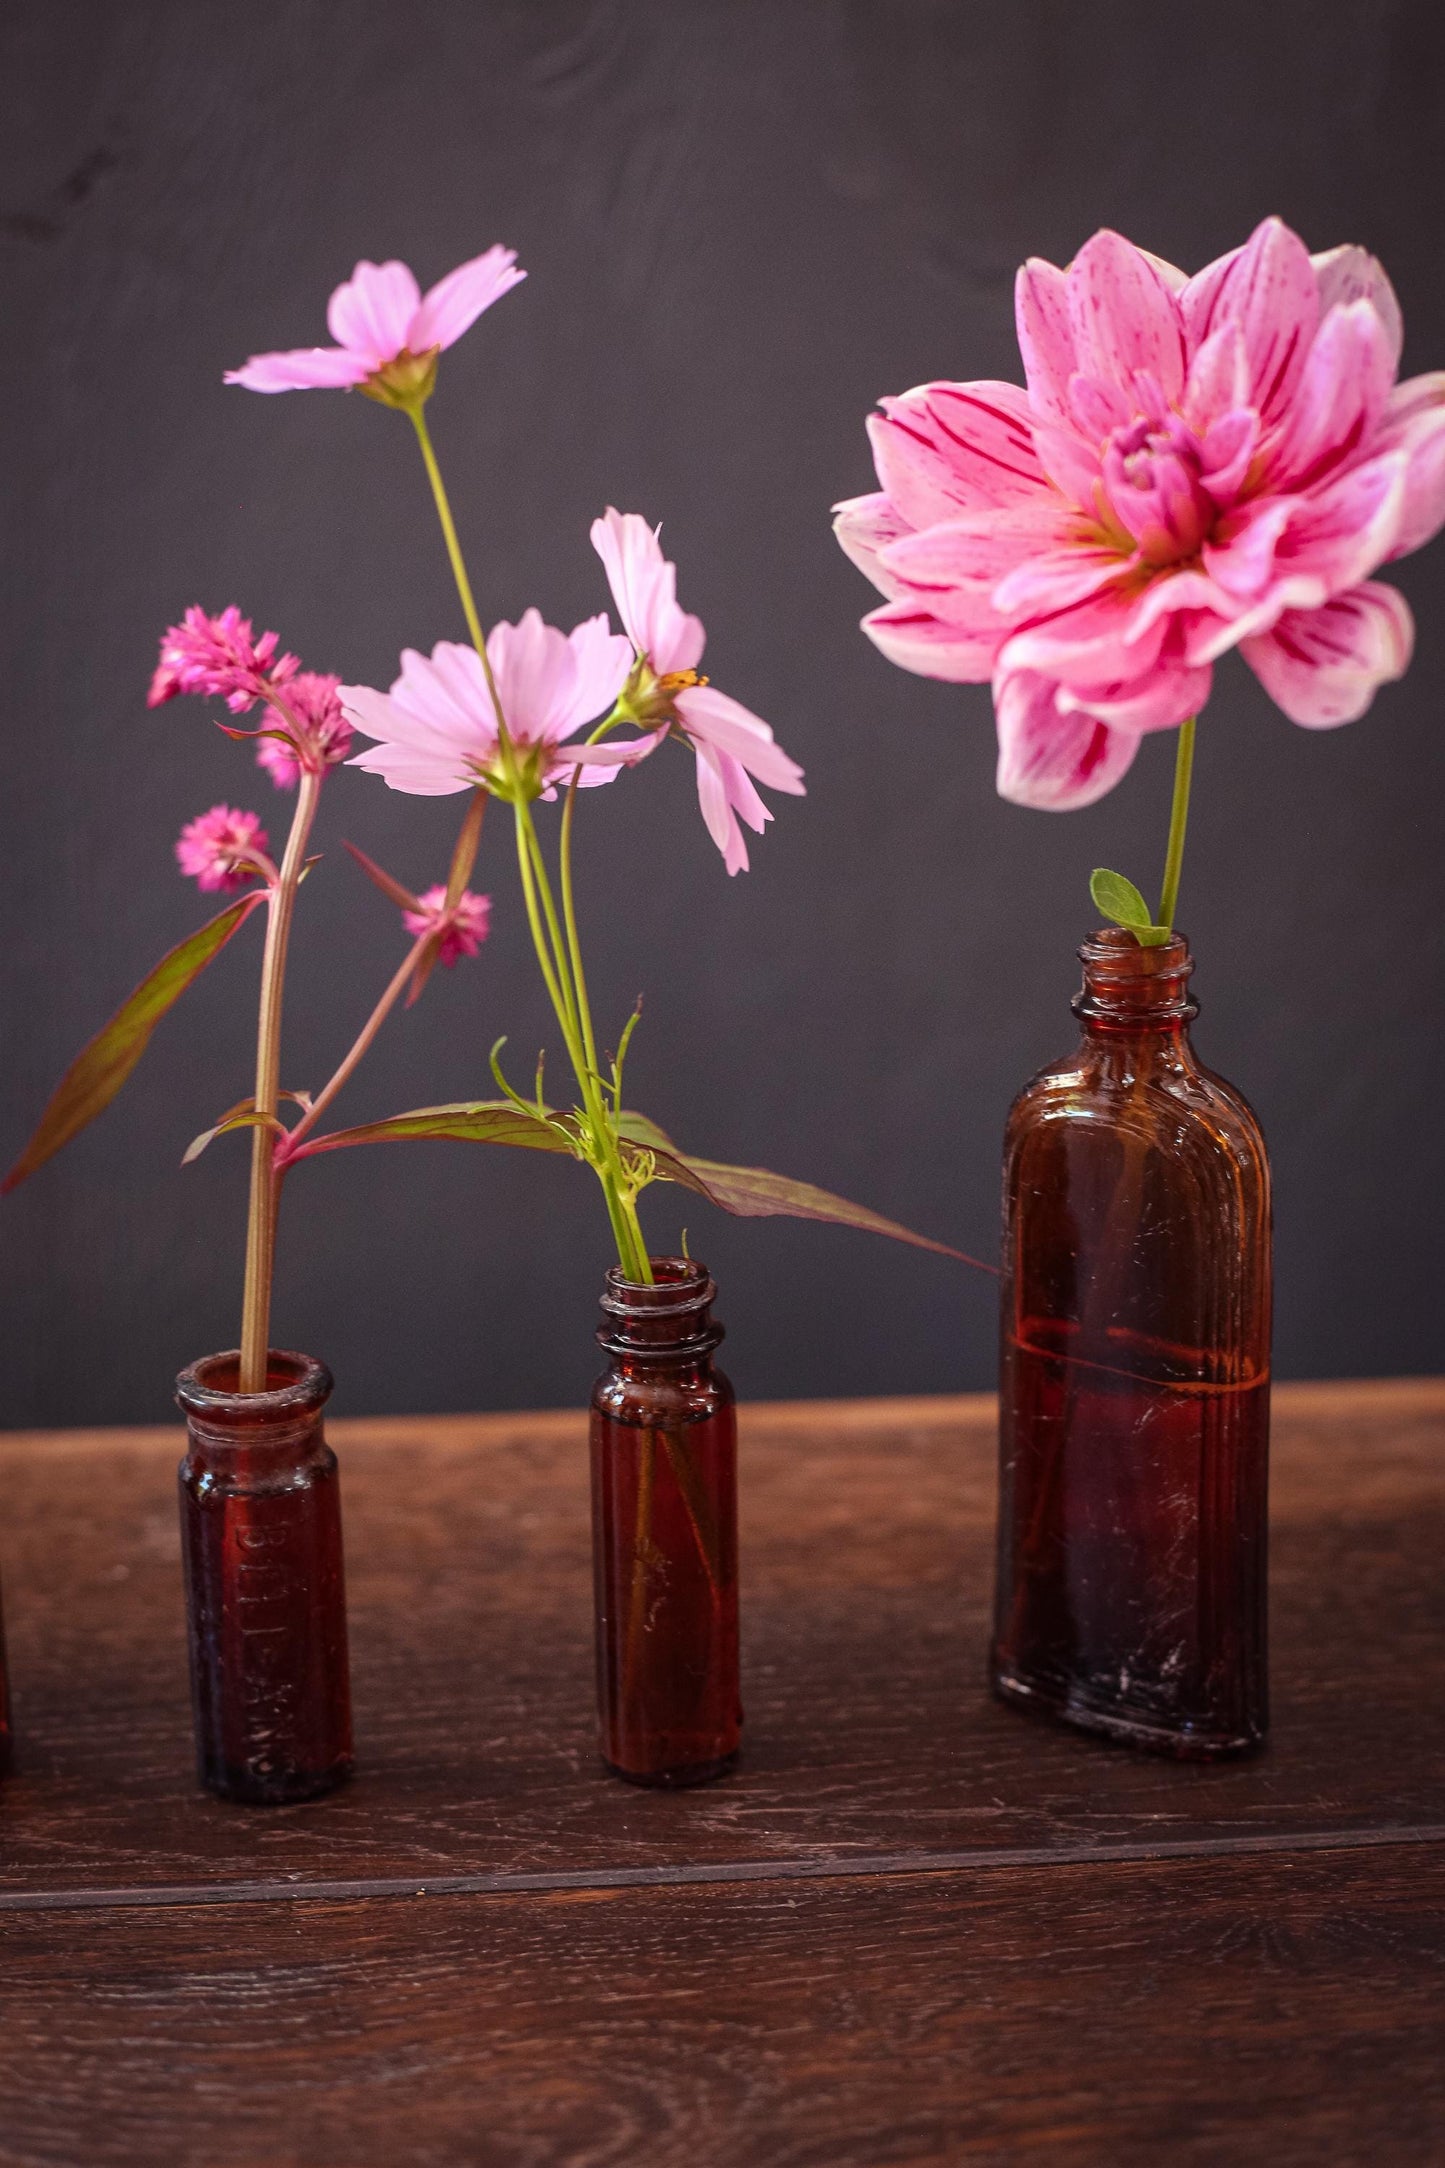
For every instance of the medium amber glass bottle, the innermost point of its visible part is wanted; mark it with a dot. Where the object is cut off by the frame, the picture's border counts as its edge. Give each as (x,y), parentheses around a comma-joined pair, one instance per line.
(1134,1405)
(265,1596)
(664,1532)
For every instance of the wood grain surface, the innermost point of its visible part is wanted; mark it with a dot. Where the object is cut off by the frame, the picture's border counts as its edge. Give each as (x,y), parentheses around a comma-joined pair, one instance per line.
(867,1567)
(1285,2011)
(912,1928)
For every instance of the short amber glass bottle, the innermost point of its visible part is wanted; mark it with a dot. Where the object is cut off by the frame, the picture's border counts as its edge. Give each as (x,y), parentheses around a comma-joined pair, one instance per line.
(1134,1405)
(265,1594)
(664,1532)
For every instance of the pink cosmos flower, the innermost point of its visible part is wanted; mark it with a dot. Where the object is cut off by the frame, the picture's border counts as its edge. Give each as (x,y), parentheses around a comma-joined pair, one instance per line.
(312,719)
(224,848)
(731,744)
(379,317)
(470,922)
(217,656)
(437,728)
(1197,464)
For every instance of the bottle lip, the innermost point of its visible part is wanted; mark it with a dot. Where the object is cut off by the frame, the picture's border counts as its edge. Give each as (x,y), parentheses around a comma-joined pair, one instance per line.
(680,1285)
(1130,988)
(1112,952)
(297,1385)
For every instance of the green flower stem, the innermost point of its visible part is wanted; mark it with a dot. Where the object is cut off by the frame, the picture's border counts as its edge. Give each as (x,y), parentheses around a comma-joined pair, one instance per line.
(1178,823)
(454,553)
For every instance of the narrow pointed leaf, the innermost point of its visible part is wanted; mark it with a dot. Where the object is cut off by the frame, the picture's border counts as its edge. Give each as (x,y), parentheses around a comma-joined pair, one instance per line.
(401,897)
(755,1193)
(242,1116)
(486,1121)
(101,1068)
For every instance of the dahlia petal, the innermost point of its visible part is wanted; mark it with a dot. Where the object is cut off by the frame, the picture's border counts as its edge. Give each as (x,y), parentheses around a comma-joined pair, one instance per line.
(1242,560)
(1123,316)
(944,448)
(1176,691)
(1323,666)
(1093,643)
(1051,761)
(913,638)
(955,565)
(1098,409)
(1071,464)
(1179,594)
(1353,274)
(1046,338)
(1054,579)
(372,312)
(304,368)
(1218,379)
(453,305)
(1415,425)
(1226,453)
(1339,532)
(1342,393)
(712,718)
(1269,290)
(865,526)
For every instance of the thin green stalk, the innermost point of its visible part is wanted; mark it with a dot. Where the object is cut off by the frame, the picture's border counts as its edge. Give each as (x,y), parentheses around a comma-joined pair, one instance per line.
(454,553)
(1178,823)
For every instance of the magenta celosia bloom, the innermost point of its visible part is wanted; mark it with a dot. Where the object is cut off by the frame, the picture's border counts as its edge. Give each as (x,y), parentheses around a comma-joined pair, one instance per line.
(218,657)
(379,316)
(470,922)
(731,743)
(319,733)
(223,848)
(437,728)
(1197,464)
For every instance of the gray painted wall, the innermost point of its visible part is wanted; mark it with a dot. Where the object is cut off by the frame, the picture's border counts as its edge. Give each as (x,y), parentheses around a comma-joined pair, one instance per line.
(743,220)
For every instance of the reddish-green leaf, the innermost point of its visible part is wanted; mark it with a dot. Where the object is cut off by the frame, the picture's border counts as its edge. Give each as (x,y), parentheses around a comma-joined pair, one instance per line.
(240,1116)
(477,1121)
(99,1069)
(754,1193)
(401,897)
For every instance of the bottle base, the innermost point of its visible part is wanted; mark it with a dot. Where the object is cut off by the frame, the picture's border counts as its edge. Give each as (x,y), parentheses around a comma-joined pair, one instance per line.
(1175,1744)
(675,1779)
(278,1788)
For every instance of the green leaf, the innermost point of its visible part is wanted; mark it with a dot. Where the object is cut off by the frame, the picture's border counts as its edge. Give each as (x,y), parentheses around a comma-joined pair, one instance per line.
(476,1121)
(101,1068)
(755,1193)
(637,1129)
(1120,901)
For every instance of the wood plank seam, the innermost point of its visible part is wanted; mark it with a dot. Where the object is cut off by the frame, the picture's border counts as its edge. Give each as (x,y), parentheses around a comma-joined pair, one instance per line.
(864,1867)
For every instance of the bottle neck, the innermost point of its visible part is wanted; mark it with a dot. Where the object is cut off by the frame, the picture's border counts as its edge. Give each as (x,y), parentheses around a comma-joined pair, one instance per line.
(1129,991)
(663,1326)
(284,1416)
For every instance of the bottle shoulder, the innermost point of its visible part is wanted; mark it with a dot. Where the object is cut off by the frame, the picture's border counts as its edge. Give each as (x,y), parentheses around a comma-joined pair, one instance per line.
(1121,1088)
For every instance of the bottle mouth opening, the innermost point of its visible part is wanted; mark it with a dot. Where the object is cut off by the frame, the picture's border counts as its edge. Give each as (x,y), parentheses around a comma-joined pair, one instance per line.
(295,1385)
(680,1284)
(1112,953)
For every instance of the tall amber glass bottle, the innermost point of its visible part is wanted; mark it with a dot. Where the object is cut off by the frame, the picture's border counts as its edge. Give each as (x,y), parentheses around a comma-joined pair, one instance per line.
(4,1705)
(1134,1405)
(664,1532)
(265,1596)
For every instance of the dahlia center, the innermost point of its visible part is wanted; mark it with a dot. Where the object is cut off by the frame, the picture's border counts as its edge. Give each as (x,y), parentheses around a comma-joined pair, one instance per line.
(1153,491)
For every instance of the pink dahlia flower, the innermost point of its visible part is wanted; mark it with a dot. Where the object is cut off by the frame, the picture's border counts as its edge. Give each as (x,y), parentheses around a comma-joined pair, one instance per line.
(436,730)
(217,656)
(467,924)
(731,744)
(1197,464)
(319,733)
(223,848)
(380,317)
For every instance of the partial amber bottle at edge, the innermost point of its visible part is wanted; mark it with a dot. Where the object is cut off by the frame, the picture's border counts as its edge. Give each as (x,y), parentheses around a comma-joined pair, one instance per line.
(4,1705)
(1134,1389)
(265,1594)
(664,1532)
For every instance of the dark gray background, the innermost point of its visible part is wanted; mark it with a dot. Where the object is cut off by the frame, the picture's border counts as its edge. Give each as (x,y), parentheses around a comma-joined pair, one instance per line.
(743,220)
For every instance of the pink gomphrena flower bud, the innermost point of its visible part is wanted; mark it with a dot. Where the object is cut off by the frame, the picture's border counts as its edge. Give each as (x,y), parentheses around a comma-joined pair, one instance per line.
(470,922)
(218,657)
(223,849)
(312,719)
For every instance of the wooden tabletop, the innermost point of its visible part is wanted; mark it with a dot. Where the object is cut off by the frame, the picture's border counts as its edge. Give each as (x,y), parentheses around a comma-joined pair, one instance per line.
(913,1927)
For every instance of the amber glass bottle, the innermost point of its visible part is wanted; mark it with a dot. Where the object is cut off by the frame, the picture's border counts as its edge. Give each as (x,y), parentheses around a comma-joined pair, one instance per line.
(664,1532)
(1134,1406)
(265,1597)
(4,1704)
